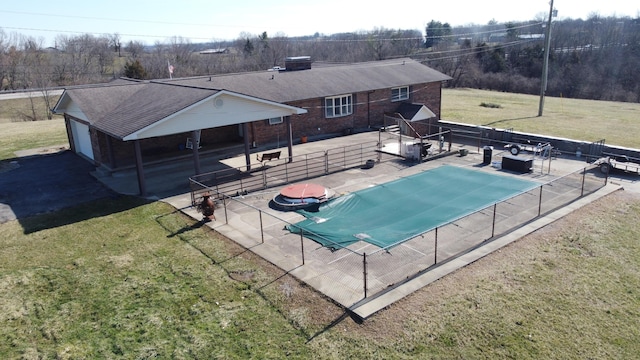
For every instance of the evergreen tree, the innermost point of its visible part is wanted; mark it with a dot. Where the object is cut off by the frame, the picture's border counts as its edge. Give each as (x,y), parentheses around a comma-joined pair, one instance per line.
(135,70)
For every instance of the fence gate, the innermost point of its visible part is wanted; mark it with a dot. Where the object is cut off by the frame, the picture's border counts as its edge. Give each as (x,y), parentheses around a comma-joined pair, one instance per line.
(595,150)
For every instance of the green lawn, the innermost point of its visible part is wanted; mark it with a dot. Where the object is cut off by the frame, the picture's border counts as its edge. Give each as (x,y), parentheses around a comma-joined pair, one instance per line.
(137,283)
(140,280)
(131,279)
(16,136)
(587,120)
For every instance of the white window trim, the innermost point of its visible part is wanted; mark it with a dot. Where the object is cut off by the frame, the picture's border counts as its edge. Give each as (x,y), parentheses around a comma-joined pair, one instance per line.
(344,107)
(275,120)
(403,93)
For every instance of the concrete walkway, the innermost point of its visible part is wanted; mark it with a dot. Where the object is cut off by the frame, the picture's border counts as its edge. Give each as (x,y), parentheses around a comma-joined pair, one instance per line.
(368,307)
(240,223)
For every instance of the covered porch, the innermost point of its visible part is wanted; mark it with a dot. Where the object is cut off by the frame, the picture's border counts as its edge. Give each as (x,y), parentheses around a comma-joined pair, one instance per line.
(142,138)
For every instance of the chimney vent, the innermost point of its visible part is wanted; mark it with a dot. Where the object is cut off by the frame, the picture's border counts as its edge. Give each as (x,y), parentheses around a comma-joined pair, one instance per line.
(293,63)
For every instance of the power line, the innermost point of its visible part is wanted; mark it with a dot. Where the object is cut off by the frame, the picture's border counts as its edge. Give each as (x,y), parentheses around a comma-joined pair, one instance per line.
(470,51)
(108,19)
(482,32)
(276,39)
(101,33)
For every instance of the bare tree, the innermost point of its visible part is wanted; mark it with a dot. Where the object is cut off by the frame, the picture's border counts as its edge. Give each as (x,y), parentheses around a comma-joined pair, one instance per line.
(101,52)
(114,40)
(3,58)
(134,48)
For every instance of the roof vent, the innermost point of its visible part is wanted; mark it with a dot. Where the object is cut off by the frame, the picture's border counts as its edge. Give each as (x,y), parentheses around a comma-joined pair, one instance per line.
(292,63)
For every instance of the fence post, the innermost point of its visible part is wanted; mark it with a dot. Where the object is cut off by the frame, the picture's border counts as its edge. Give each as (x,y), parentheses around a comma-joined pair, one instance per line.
(344,158)
(435,252)
(264,177)
(224,202)
(326,162)
(540,200)
(286,171)
(261,228)
(302,245)
(364,272)
(493,225)
(584,174)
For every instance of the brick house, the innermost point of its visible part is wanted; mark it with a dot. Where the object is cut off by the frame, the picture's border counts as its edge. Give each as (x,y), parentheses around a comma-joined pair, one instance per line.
(127,122)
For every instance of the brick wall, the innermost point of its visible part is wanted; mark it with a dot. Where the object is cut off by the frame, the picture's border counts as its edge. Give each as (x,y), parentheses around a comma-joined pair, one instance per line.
(368,111)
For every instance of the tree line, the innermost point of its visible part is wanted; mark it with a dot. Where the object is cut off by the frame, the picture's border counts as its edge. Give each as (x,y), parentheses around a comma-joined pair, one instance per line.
(591,59)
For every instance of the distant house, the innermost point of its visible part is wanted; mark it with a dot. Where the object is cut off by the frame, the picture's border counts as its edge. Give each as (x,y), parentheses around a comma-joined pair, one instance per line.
(128,122)
(214,51)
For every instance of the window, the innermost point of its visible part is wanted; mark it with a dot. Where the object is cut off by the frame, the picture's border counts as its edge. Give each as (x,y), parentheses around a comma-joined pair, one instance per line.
(275,120)
(400,93)
(338,106)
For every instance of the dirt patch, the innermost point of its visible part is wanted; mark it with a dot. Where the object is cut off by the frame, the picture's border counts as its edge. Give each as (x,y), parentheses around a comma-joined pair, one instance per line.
(42,151)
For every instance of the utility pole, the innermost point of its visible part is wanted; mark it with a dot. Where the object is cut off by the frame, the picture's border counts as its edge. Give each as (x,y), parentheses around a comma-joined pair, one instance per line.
(545,66)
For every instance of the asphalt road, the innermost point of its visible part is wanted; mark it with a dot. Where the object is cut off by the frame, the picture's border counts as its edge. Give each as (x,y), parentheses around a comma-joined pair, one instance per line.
(26,94)
(39,184)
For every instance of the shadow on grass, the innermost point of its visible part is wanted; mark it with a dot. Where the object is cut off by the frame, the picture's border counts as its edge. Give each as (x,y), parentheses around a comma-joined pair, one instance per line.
(234,250)
(183,230)
(505,120)
(85,211)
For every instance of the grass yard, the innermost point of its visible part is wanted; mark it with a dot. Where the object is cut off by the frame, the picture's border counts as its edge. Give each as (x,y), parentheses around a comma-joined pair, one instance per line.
(140,280)
(141,283)
(17,136)
(16,110)
(577,119)
(144,282)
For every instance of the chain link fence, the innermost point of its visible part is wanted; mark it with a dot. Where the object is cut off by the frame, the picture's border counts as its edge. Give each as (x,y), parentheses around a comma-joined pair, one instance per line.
(361,270)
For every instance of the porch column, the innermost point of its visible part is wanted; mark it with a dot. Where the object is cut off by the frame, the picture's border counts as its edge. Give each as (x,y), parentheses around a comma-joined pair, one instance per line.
(142,185)
(195,135)
(247,156)
(112,158)
(289,137)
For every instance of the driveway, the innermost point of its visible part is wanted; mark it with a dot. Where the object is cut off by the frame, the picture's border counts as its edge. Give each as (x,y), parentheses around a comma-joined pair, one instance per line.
(36,184)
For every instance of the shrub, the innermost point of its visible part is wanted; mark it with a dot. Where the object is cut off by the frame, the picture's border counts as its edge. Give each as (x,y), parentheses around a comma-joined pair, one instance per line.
(491,105)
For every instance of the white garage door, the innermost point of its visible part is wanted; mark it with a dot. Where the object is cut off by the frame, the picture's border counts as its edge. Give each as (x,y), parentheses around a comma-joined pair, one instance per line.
(82,139)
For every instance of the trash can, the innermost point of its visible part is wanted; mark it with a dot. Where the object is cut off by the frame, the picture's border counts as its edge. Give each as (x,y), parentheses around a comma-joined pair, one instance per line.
(488,151)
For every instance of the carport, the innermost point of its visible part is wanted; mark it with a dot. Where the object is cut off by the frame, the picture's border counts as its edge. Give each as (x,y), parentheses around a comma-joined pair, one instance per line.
(101,119)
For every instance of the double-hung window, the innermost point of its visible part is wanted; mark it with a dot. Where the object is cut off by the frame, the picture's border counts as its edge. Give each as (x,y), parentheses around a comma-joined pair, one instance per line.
(337,106)
(400,93)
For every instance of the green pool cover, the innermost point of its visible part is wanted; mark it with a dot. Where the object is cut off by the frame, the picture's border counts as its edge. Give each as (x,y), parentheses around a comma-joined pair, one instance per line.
(388,214)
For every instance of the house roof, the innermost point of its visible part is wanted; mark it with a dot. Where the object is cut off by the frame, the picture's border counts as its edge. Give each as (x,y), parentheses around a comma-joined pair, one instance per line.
(126,108)
(415,112)
(318,82)
(151,103)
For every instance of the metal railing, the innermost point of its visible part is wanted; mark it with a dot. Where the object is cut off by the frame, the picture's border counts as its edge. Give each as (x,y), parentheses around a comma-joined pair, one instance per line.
(240,180)
(356,274)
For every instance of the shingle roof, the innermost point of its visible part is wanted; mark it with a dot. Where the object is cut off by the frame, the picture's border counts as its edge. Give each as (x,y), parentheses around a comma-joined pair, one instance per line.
(126,106)
(318,82)
(98,100)
(149,104)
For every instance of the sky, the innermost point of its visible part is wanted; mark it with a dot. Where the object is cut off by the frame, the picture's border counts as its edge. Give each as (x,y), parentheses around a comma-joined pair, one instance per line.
(151,21)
